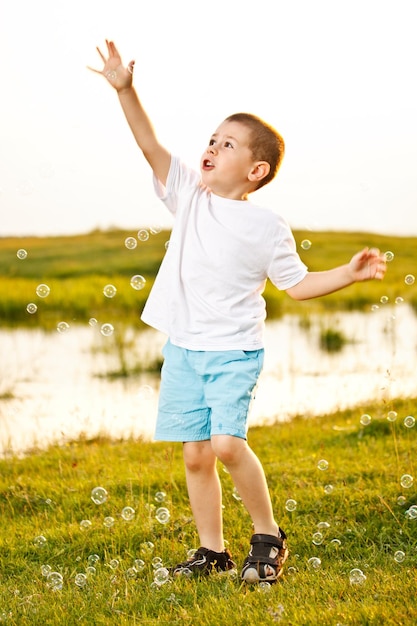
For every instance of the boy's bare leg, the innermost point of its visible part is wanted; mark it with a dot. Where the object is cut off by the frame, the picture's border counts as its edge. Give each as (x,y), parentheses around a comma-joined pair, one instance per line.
(204,491)
(249,479)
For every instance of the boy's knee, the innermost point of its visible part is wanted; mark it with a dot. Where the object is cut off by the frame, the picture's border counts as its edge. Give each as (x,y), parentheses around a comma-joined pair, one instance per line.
(227,448)
(197,455)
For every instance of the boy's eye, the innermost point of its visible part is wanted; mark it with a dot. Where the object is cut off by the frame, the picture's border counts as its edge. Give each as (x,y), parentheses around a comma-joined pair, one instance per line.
(211,142)
(228,144)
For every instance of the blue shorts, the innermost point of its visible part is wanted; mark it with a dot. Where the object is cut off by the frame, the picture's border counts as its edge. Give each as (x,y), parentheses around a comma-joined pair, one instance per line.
(205,393)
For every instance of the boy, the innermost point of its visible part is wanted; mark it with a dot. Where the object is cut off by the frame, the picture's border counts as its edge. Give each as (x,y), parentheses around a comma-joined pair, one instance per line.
(207,298)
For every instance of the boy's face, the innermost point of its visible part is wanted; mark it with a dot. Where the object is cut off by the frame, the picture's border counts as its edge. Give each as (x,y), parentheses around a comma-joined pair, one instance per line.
(227,161)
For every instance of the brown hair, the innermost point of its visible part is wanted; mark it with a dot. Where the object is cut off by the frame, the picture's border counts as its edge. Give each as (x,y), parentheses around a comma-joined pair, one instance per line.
(266,143)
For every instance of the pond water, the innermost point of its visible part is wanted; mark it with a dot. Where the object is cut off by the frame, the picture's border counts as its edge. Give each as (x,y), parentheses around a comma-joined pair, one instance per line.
(54,385)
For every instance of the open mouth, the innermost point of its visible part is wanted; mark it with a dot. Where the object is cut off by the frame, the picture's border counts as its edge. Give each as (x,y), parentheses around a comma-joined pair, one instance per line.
(207,164)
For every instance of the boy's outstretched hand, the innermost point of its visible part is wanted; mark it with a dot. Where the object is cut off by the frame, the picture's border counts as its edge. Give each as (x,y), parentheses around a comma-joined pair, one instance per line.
(118,76)
(368,264)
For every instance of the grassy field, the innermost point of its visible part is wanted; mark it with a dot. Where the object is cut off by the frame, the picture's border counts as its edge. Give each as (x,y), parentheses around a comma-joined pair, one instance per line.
(358,505)
(77,268)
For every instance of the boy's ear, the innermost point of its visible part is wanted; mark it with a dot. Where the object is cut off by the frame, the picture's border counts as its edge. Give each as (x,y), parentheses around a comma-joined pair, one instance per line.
(259,171)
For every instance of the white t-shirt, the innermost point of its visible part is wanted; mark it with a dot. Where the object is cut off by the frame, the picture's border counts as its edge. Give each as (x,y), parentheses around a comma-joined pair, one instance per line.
(207,294)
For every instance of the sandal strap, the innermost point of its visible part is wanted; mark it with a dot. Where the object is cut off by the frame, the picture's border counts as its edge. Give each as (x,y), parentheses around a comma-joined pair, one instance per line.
(268,540)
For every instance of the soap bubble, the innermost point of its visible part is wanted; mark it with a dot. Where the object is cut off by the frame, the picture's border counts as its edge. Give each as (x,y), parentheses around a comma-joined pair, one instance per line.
(130,243)
(264,586)
(401,500)
(109,291)
(411,513)
(291,504)
(21,254)
(389,256)
(406,481)
(365,419)
(323,464)
(108,521)
(92,321)
(409,421)
(40,541)
(162,515)
(80,580)
(143,234)
(156,562)
(90,570)
(166,245)
(155,229)
(99,495)
(161,575)
(42,290)
(55,581)
(306,244)
(328,489)
(384,299)
(160,496)
(85,524)
(392,416)
(399,556)
(147,547)
(314,562)
(137,282)
(317,539)
(409,279)
(399,300)
(139,565)
(374,307)
(45,570)
(128,513)
(107,329)
(114,563)
(336,542)
(31,308)
(130,573)
(62,327)
(356,576)
(93,559)
(322,525)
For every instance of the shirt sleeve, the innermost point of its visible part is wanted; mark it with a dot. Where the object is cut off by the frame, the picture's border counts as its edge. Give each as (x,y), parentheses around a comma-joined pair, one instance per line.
(286,269)
(180,177)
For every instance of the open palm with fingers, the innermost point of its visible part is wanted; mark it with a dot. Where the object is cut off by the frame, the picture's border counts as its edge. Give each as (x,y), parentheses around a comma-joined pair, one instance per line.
(119,76)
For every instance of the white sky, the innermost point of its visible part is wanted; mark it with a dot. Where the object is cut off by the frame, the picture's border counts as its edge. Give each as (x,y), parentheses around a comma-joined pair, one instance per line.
(336,78)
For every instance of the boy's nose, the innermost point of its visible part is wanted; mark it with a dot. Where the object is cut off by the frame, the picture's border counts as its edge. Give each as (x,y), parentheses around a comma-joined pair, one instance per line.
(211,149)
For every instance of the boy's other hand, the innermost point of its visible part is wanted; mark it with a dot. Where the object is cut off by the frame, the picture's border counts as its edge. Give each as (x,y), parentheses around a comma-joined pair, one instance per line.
(117,75)
(368,264)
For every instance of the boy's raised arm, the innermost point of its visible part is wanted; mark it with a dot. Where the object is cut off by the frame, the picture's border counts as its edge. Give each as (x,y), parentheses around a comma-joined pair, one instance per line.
(120,78)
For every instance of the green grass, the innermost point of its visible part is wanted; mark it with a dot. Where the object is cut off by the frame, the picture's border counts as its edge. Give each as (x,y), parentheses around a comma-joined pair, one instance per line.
(77,268)
(48,493)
